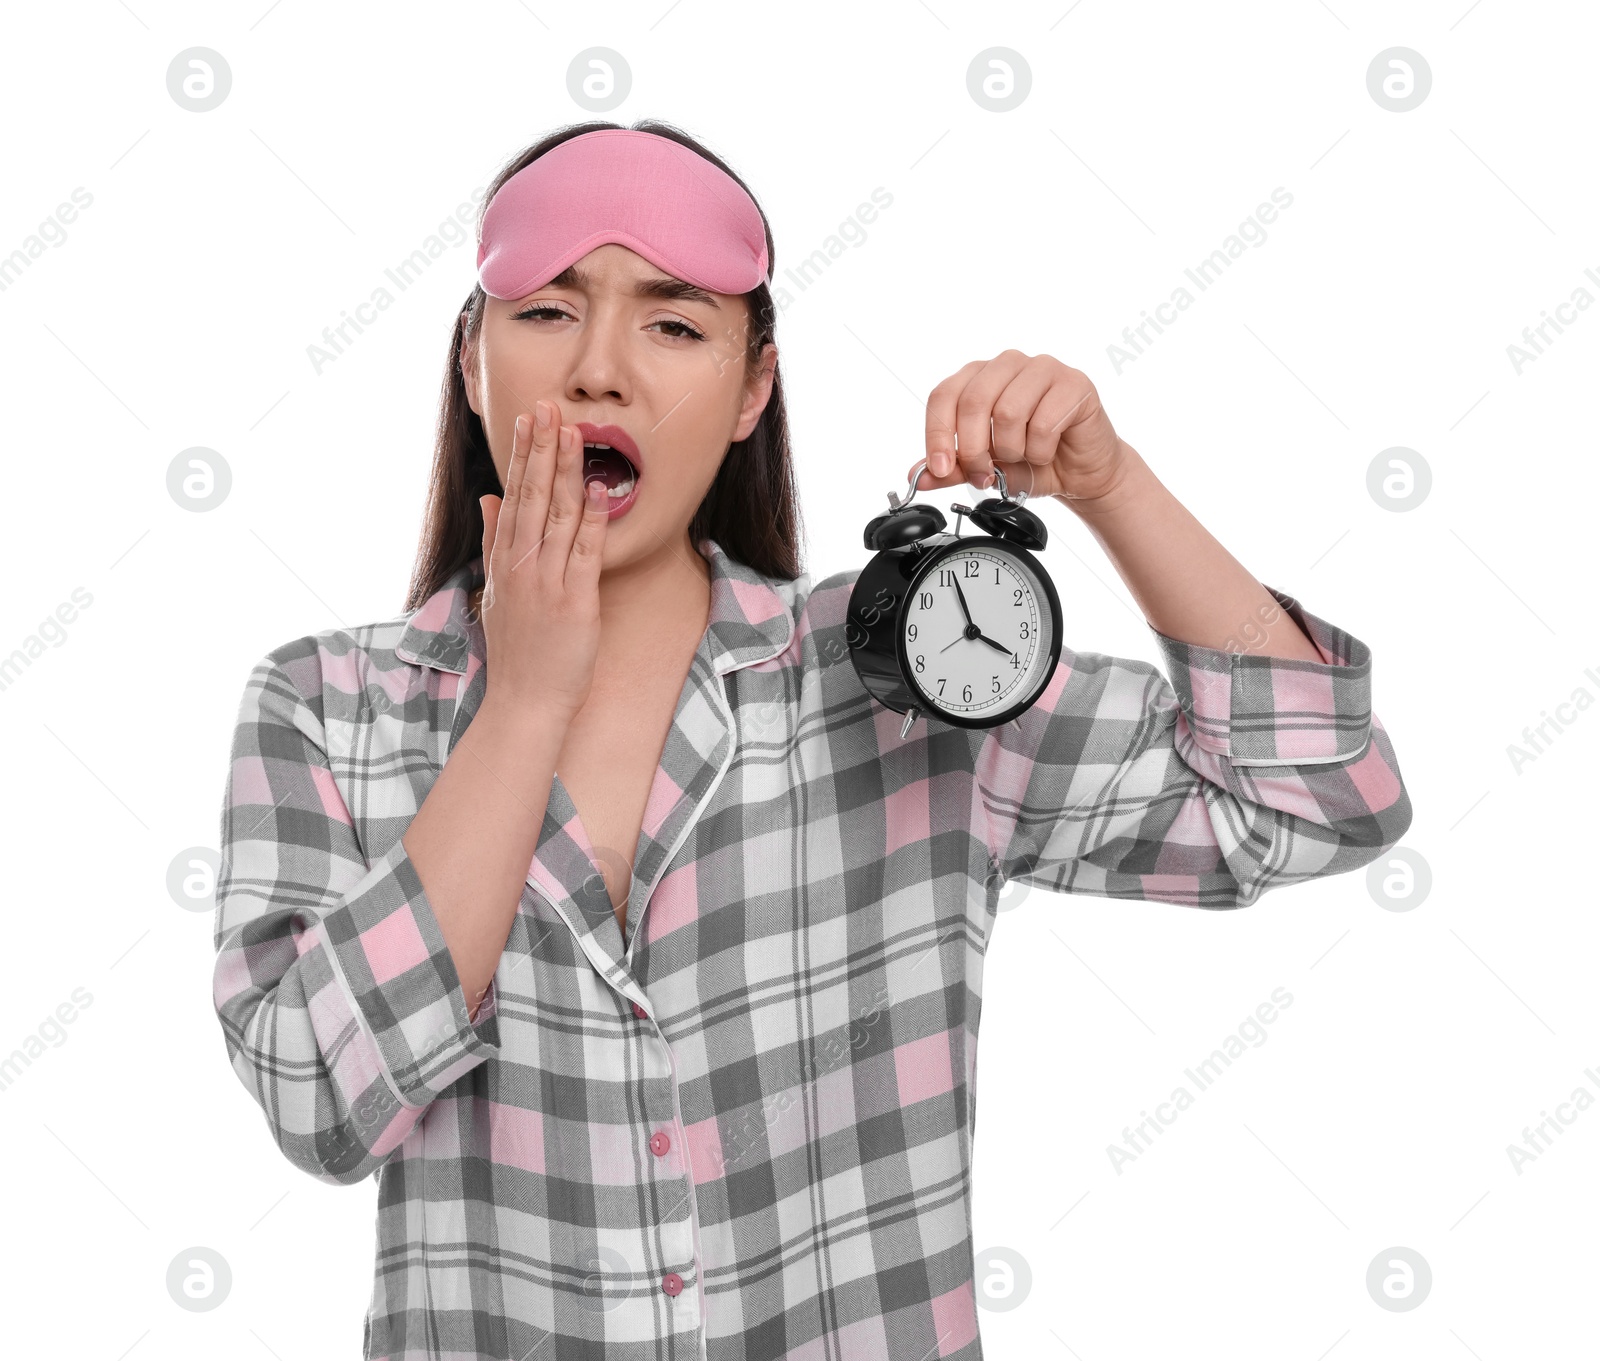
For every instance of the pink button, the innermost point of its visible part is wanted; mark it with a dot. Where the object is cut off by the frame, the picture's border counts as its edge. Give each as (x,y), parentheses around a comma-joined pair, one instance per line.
(659,1143)
(672,1283)
(639,1011)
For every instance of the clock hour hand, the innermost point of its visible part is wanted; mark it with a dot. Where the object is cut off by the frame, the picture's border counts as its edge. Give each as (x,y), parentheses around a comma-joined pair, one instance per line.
(961,596)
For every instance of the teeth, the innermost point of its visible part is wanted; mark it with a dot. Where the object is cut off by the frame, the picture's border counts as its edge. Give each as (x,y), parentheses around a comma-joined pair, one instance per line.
(617,492)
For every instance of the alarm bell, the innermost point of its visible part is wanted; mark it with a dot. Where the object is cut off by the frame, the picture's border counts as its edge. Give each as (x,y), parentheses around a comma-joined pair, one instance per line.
(907,521)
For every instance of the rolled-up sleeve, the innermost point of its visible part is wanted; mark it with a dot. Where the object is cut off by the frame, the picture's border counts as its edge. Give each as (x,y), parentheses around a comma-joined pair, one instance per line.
(1231,774)
(339,1000)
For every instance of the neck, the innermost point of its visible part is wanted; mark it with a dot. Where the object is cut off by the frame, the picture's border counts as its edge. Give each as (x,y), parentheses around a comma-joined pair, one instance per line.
(658,599)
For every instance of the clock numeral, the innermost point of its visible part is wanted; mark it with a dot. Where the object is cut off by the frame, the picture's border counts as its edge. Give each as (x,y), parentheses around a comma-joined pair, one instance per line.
(1021,598)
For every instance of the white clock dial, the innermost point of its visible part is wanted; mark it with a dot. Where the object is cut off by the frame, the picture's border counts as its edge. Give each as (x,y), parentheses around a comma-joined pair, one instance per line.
(962,674)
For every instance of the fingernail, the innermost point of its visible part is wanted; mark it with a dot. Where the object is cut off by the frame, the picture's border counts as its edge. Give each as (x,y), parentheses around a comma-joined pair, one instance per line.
(569,438)
(541,413)
(941,462)
(522,427)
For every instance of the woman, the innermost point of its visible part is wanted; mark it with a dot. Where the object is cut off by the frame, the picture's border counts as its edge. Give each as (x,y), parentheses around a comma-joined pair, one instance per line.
(594,905)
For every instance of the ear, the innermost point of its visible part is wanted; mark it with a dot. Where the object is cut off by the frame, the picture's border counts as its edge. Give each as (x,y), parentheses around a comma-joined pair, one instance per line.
(757,392)
(469,377)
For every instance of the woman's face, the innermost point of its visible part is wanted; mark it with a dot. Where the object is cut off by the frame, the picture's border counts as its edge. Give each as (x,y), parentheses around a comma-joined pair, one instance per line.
(616,341)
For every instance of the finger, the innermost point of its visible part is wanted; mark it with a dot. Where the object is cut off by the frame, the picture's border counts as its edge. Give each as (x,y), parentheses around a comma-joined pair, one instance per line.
(566,506)
(939,423)
(1014,409)
(929,480)
(1065,403)
(516,470)
(533,501)
(490,507)
(974,409)
(583,563)
(1017,423)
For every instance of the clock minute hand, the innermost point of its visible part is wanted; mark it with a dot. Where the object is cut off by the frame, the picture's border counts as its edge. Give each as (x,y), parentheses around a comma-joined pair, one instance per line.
(961,596)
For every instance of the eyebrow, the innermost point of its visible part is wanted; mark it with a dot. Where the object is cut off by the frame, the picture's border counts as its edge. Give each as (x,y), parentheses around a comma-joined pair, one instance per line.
(656,286)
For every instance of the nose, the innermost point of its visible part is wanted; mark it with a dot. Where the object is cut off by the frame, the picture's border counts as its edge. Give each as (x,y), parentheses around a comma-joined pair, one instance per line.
(598,372)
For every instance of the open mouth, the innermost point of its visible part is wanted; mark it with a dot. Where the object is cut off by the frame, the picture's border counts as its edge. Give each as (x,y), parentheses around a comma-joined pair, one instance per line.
(612,467)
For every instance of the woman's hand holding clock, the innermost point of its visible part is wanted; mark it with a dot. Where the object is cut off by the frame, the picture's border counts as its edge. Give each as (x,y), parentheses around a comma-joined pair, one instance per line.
(1040,421)
(1042,424)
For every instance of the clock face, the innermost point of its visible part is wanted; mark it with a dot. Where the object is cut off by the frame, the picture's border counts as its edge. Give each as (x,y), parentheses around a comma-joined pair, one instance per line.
(977,632)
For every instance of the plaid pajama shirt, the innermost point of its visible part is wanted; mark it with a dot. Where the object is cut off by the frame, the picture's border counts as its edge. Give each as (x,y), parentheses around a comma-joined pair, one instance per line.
(741,1129)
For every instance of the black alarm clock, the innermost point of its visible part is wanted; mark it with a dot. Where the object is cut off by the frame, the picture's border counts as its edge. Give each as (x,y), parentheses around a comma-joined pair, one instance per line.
(967,629)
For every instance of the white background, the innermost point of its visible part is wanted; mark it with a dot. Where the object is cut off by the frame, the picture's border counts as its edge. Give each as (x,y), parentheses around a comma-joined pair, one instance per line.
(178,310)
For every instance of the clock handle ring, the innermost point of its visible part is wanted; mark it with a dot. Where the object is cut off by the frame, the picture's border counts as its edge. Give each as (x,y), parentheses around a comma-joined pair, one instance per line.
(895,502)
(916,474)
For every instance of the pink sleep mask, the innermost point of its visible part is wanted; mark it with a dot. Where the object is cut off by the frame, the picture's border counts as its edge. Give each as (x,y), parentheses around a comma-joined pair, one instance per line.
(644,191)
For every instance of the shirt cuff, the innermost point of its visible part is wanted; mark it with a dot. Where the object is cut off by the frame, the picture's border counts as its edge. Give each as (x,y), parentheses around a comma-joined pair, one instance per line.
(399,975)
(1258,710)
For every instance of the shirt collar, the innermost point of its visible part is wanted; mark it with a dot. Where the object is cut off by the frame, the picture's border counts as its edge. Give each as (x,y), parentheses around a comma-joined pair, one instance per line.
(751,620)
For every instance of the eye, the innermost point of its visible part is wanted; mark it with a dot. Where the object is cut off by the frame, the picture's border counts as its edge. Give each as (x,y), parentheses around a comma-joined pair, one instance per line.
(685,330)
(544,311)
(538,309)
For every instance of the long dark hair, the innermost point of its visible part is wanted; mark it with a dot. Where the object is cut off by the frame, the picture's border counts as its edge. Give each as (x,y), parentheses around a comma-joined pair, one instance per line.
(752,508)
